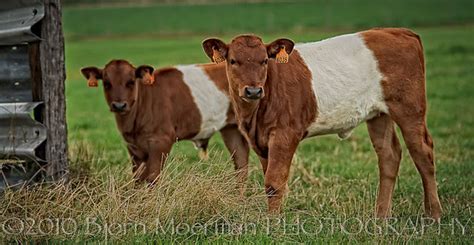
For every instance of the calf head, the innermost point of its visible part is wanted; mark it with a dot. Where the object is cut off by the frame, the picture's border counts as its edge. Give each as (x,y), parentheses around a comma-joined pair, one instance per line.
(246,60)
(120,81)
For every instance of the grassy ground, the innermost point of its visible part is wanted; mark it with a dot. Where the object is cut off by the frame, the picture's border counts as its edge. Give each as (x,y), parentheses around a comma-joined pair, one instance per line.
(333,183)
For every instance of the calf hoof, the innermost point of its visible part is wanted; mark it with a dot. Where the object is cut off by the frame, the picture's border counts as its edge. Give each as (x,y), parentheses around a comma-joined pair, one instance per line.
(434,211)
(434,215)
(152,179)
(383,213)
(274,208)
(274,205)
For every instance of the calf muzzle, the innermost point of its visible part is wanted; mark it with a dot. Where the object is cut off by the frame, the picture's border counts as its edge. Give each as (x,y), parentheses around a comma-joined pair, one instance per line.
(118,106)
(253,93)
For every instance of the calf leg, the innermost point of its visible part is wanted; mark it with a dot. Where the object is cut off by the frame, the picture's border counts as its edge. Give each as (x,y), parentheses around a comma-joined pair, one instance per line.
(137,157)
(282,147)
(239,150)
(264,163)
(158,150)
(420,146)
(385,142)
(409,114)
(135,164)
(135,161)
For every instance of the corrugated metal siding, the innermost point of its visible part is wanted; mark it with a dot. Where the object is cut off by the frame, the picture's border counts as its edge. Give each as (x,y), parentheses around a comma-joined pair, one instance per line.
(20,133)
(15,74)
(18,19)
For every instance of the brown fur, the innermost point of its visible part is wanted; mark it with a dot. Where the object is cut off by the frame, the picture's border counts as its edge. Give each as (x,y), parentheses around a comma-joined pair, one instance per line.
(158,115)
(404,90)
(276,123)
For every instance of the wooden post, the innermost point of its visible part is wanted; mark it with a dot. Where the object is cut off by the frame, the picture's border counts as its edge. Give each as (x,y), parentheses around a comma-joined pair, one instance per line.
(51,76)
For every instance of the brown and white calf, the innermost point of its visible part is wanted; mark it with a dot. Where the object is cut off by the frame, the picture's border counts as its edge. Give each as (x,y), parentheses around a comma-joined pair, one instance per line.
(330,87)
(152,112)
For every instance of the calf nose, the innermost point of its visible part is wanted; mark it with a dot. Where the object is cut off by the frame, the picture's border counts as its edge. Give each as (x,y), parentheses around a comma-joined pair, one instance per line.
(253,93)
(119,106)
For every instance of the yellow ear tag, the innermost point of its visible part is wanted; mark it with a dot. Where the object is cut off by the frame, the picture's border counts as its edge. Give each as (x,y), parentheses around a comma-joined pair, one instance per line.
(148,79)
(216,56)
(92,82)
(282,56)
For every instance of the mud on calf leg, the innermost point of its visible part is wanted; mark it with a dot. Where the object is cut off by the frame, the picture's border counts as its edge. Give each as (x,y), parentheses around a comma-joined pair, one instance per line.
(271,193)
(276,187)
(275,197)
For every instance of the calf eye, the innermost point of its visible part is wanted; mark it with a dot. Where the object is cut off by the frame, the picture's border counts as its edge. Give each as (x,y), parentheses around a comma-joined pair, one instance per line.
(107,85)
(265,61)
(232,61)
(130,84)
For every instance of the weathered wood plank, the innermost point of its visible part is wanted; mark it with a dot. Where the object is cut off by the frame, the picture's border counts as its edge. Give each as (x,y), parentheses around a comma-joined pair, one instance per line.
(52,89)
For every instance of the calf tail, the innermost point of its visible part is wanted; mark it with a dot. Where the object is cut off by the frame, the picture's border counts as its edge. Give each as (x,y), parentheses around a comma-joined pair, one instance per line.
(420,50)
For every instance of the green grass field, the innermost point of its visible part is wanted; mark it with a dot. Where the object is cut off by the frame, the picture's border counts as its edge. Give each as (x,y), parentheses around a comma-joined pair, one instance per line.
(333,183)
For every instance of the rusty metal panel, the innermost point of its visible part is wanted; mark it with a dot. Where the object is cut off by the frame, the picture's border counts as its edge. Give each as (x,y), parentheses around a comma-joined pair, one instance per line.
(18,19)
(15,74)
(20,134)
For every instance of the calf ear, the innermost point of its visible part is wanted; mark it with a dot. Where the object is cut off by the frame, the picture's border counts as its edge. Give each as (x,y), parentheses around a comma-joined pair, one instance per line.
(92,74)
(144,74)
(215,49)
(280,49)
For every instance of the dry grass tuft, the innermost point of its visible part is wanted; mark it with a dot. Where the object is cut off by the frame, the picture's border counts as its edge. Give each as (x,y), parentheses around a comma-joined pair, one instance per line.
(202,193)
